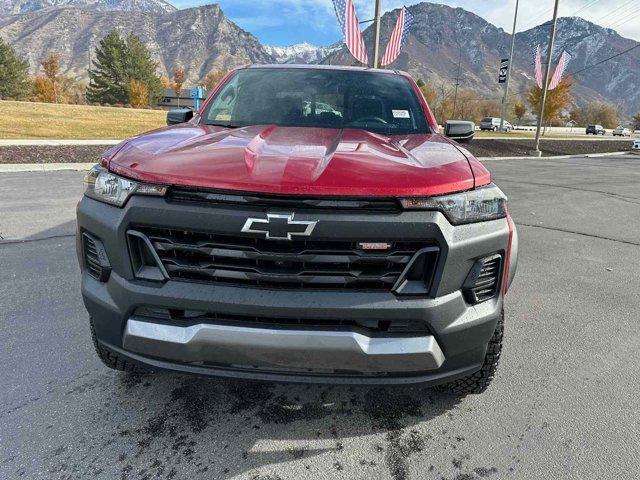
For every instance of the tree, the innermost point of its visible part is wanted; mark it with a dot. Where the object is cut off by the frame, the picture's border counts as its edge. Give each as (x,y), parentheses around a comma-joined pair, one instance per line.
(117,63)
(14,73)
(519,111)
(430,94)
(108,80)
(636,121)
(558,99)
(139,94)
(51,68)
(178,79)
(212,79)
(599,113)
(142,67)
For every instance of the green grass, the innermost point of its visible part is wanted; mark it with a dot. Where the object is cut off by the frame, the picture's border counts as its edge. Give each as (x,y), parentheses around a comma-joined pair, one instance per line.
(29,120)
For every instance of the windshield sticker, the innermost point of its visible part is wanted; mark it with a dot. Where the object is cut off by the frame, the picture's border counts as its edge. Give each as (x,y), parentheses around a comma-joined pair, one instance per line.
(400,113)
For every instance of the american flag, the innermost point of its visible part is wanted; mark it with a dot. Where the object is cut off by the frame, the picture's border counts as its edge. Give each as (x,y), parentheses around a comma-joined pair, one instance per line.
(557,75)
(398,37)
(538,64)
(346,12)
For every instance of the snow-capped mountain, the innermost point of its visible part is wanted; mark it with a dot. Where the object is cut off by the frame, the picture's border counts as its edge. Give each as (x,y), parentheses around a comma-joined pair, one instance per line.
(13,7)
(300,53)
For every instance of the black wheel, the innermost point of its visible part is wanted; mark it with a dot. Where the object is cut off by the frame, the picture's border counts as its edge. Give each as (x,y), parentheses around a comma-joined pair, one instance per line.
(495,129)
(112,359)
(479,381)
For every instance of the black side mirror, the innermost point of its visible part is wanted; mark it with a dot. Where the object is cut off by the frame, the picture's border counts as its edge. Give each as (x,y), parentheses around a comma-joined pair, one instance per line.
(459,130)
(179,115)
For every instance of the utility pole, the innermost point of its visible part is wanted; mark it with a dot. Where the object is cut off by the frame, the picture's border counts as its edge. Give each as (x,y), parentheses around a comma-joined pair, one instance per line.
(545,85)
(455,95)
(506,88)
(376,36)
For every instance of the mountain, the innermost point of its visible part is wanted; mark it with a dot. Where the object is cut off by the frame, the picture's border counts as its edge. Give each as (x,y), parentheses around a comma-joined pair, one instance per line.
(158,7)
(616,81)
(442,36)
(301,53)
(200,39)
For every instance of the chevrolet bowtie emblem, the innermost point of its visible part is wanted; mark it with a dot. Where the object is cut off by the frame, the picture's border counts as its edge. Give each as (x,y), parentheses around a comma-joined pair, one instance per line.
(278,227)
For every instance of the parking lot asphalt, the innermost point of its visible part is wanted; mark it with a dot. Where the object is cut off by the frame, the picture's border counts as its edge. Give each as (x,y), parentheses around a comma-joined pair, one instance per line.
(564,404)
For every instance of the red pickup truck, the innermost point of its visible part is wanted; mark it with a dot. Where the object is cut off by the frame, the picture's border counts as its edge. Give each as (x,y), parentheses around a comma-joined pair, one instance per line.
(307,224)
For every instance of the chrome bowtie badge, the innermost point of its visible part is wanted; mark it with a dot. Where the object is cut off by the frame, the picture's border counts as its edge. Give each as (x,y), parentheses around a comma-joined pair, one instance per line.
(278,227)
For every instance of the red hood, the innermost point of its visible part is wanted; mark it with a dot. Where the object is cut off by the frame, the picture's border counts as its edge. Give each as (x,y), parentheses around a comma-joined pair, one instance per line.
(294,160)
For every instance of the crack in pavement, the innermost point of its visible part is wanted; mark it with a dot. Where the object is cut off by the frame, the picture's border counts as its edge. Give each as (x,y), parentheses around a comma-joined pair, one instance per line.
(557,229)
(31,240)
(616,195)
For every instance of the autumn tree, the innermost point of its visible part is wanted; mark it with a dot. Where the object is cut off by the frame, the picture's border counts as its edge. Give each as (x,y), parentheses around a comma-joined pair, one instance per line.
(51,69)
(636,121)
(598,113)
(558,99)
(138,94)
(212,79)
(179,77)
(519,111)
(14,72)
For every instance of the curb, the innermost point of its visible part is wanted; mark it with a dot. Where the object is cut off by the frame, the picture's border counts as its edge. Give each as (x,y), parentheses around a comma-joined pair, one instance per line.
(54,143)
(557,157)
(44,167)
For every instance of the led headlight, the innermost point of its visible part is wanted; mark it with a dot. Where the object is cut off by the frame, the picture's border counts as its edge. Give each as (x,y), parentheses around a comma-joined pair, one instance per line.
(104,186)
(479,205)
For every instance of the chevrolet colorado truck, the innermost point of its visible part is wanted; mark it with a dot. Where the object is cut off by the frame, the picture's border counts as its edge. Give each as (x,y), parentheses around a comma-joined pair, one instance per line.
(307,224)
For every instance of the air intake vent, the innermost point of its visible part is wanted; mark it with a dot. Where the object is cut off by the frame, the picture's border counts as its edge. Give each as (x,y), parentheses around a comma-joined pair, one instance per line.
(483,281)
(95,258)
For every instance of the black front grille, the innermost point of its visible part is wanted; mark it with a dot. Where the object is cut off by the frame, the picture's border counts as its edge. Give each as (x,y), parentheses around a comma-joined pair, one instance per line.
(242,259)
(284,201)
(371,327)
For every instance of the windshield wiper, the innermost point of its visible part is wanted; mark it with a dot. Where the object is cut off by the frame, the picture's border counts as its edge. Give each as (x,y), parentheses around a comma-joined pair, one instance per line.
(224,125)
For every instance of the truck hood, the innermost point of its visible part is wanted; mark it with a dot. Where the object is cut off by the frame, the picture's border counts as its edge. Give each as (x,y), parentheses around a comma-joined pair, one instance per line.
(294,160)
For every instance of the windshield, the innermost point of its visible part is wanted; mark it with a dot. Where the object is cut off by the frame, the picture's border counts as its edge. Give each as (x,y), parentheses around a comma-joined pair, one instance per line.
(378,102)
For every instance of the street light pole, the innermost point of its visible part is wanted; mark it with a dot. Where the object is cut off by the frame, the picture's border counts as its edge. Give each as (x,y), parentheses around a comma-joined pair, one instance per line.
(376,37)
(545,85)
(506,87)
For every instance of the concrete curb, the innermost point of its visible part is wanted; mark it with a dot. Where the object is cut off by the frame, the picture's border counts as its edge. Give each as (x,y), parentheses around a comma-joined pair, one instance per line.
(556,157)
(44,167)
(54,143)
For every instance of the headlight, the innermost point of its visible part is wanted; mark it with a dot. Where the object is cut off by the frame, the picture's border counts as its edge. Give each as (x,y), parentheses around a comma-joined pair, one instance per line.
(482,204)
(106,187)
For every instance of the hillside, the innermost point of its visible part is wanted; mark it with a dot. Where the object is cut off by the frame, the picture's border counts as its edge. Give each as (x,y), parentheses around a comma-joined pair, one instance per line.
(432,52)
(200,38)
(203,38)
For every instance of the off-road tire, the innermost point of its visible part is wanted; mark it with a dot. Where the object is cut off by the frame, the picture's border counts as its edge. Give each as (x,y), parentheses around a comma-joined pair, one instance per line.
(112,359)
(479,381)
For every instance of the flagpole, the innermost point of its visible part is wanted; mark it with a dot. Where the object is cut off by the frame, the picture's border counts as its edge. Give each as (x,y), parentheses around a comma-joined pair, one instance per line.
(506,87)
(376,38)
(545,85)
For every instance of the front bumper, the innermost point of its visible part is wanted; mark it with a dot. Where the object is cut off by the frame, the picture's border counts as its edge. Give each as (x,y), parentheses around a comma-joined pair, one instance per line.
(458,333)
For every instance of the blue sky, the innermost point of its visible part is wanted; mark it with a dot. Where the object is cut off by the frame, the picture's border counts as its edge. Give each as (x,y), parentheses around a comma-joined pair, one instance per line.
(285,22)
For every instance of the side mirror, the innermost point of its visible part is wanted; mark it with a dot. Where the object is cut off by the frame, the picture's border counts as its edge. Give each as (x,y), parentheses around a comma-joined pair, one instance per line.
(459,130)
(179,115)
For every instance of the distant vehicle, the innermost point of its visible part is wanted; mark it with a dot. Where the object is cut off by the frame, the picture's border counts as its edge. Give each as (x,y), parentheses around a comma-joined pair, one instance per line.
(493,124)
(596,130)
(621,132)
(636,144)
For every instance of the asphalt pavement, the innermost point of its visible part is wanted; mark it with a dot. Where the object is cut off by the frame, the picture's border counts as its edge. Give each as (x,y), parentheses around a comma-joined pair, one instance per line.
(564,404)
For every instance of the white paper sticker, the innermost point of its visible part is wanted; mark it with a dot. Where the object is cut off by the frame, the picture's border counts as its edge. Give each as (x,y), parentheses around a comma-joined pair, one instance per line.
(400,113)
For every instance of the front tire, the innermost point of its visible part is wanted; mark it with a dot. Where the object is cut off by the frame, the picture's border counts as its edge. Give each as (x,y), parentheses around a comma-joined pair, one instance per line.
(479,381)
(111,359)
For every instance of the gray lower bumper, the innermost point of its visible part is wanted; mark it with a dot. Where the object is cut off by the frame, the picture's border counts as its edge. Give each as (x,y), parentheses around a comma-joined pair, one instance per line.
(273,349)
